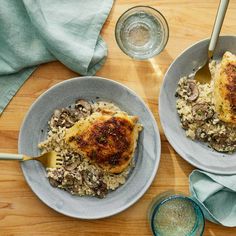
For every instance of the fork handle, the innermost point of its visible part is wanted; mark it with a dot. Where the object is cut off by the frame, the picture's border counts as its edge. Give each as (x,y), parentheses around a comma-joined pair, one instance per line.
(10,156)
(218,24)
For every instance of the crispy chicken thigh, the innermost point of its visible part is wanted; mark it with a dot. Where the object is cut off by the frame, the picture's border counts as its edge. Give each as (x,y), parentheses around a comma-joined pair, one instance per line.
(225,88)
(108,140)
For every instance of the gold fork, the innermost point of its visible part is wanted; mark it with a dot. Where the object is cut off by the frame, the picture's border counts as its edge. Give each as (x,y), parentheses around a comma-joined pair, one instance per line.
(49,159)
(203,74)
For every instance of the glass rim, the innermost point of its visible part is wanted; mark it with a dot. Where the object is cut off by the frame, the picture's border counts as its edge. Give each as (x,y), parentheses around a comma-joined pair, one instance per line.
(162,17)
(176,196)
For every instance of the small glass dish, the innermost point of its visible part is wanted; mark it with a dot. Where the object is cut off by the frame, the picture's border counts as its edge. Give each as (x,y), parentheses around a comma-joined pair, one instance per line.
(142,32)
(173,213)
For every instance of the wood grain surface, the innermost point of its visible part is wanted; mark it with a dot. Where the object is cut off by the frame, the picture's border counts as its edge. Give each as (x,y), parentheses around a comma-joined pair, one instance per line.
(21,212)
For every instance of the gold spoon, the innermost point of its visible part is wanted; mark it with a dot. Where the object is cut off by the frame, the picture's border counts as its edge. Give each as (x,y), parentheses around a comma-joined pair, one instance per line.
(49,159)
(203,74)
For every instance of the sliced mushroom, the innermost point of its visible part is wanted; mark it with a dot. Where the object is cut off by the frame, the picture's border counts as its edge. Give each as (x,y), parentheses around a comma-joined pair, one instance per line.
(78,175)
(71,165)
(88,179)
(68,179)
(76,114)
(98,186)
(101,191)
(53,182)
(57,113)
(62,118)
(83,106)
(192,90)
(220,142)
(77,183)
(220,147)
(66,118)
(185,124)
(200,134)
(202,111)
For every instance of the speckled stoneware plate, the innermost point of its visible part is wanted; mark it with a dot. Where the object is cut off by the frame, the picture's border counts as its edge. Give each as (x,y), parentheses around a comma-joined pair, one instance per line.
(34,130)
(196,153)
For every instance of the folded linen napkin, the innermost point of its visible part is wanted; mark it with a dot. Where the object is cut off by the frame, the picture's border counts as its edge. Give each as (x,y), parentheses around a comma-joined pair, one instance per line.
(38,31)
(216,194)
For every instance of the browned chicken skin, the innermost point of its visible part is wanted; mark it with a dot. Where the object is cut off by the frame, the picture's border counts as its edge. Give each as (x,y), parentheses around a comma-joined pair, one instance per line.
(109,141)
(225,89)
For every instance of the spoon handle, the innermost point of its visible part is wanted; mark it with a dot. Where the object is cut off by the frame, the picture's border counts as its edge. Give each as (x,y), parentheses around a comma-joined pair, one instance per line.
(9,156)
(217,26)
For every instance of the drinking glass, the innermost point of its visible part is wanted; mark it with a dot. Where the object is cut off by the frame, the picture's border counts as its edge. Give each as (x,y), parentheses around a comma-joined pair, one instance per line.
(142,32)
(174,214)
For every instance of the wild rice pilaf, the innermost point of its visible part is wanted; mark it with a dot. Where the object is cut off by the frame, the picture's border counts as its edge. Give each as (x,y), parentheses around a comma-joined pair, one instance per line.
(198,117)
(77,175)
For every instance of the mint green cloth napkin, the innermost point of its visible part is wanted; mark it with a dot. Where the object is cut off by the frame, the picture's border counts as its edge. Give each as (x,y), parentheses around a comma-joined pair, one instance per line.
(216,194)
(38,31)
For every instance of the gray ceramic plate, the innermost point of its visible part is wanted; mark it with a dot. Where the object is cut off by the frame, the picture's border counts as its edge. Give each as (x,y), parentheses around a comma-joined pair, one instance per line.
(34,129)
(196,153)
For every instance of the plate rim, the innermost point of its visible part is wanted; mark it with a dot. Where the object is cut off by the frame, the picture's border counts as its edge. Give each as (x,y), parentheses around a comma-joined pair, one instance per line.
(157,156)
(178,150)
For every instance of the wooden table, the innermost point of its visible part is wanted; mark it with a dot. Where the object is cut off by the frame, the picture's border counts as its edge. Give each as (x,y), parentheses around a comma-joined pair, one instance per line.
(21,212)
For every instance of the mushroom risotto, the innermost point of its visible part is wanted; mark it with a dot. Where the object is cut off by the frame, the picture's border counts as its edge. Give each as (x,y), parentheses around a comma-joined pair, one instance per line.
(101,157)
(196,106)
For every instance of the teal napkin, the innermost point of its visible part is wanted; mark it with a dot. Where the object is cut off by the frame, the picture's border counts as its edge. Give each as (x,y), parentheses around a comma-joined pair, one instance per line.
(216,194)
(38,31)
